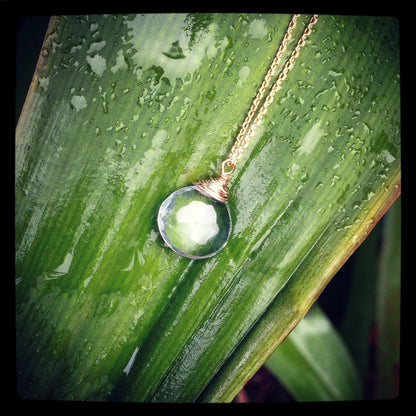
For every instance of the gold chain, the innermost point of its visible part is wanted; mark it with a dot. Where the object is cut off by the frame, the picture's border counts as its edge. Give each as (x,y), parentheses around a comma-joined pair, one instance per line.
(217,188)
(244,136)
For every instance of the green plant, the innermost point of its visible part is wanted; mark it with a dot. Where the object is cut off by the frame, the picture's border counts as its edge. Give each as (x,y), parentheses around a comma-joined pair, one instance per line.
(123,110)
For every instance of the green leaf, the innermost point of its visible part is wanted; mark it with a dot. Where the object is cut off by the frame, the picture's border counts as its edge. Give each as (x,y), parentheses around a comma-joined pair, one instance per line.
(359,315)
(112,125)
(371,325)
(314,363)
(388,307)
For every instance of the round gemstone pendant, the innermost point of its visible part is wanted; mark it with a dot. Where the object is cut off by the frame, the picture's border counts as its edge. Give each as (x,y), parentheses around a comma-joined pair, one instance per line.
(194,225)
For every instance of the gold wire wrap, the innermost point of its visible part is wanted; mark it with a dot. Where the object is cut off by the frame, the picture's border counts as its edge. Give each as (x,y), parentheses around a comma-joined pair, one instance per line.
(217,188)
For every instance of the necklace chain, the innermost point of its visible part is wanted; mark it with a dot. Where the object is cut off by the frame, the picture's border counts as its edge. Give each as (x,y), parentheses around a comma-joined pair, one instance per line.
(247,130)
(217,188)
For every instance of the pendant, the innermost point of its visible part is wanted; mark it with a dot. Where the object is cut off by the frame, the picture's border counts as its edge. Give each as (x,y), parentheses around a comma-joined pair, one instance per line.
(195,221)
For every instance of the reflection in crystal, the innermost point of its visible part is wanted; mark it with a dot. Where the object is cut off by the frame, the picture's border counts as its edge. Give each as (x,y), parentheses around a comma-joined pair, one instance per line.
(200,221)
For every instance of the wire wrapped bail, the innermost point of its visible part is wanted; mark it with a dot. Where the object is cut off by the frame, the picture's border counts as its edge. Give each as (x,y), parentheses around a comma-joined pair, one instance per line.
(217,188)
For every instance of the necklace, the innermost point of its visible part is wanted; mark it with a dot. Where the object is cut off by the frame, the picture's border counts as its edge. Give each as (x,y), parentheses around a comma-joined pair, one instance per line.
(195,221)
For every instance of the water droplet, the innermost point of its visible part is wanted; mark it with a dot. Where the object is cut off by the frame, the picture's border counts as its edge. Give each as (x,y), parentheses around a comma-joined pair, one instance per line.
(78,102)
(258,29)
(304,178)
(335,179)
(98,64)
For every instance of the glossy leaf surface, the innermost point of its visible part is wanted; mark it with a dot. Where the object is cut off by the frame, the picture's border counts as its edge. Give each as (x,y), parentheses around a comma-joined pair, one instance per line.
(124,110)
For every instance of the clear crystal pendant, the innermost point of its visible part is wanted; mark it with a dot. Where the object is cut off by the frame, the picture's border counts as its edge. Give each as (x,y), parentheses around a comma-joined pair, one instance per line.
(195,221)
(193,224)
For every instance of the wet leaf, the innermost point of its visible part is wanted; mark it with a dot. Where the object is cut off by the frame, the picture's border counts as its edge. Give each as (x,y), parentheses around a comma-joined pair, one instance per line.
(112,125)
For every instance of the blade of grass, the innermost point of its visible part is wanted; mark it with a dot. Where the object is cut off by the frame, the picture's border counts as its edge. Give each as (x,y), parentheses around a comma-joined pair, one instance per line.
(314,363)
(371,325)
(358,319)
(388,307)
